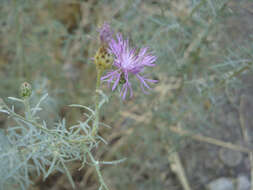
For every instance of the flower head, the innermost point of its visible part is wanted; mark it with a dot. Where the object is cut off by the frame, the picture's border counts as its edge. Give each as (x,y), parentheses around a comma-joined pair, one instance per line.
(128,62)
(105,33)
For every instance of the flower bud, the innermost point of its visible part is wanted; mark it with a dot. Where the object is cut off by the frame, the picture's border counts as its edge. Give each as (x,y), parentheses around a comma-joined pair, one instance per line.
(25,90)
(105,33)
(103,59)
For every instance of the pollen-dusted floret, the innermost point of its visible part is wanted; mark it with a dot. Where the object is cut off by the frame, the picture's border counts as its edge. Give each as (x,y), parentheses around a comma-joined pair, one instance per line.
(103,59)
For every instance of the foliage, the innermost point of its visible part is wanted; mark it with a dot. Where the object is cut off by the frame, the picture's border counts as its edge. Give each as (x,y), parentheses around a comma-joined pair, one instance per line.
(32,146)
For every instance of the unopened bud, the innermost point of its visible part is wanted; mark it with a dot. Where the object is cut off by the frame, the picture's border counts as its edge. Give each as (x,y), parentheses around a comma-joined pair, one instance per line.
(105,33)
(103,59)
(25,90)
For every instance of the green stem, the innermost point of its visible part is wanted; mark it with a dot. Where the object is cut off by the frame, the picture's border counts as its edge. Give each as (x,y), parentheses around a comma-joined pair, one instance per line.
(96,122)
(27,109)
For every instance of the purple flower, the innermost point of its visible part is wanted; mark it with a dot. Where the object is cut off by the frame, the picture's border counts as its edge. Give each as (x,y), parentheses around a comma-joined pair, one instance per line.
(105,33)
(128,62)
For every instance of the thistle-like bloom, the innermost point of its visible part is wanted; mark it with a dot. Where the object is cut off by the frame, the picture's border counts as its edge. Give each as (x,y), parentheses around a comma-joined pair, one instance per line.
(128,62)
(105,33)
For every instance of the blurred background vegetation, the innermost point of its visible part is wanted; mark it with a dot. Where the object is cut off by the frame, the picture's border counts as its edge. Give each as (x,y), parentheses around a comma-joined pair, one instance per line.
(192,129)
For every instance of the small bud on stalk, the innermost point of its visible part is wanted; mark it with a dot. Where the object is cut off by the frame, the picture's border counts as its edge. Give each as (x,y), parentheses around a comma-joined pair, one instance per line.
(25,90)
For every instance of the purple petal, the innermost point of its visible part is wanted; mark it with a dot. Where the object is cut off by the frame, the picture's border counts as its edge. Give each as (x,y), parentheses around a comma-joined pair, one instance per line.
(143,89)
(116,82)
(110,73)
(142,52)
(151,80)
(142,80)
(148,60)
(125,91)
